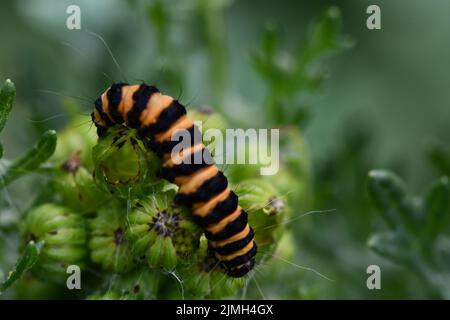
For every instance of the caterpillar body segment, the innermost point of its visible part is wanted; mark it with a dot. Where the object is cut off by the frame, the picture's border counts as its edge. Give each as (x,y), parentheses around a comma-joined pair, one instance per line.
(202,186)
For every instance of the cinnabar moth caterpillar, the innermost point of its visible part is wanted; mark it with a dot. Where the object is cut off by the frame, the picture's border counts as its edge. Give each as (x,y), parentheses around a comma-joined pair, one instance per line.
(202,186)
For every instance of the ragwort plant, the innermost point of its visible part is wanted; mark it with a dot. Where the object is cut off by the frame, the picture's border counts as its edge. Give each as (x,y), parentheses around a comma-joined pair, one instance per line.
(116,219)
(418,229)
(106,210)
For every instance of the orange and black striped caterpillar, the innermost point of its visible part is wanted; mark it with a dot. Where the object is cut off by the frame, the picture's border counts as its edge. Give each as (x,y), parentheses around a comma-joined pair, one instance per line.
(202,186)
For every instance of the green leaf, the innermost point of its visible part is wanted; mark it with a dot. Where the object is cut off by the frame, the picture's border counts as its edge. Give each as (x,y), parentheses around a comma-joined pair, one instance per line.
(392,246)
(437,204)
(325,37)
(288,73)
(442,252)
(438,155)
(32,159)
(388,194)
(25,263)
(7,95)
(264,59)
(270,41)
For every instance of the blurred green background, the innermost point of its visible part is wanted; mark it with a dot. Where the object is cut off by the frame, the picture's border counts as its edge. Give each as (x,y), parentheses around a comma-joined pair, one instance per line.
(384,104)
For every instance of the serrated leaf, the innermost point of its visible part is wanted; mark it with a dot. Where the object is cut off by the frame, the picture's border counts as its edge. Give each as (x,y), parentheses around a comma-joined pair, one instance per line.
(324,36)
(7,95)
(25,263)
(289,73)
(437,204)
(387,191)
(442,253)
(392,246)
(32,159)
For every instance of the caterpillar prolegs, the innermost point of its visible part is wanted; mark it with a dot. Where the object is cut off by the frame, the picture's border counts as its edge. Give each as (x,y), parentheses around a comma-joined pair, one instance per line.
(202,186)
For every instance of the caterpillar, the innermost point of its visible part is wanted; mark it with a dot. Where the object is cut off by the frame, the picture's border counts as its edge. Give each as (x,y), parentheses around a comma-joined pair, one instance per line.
(202,186)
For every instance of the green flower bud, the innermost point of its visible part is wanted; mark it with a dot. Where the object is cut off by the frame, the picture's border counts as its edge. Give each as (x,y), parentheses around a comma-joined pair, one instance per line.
(64,234)
(107,242)
(237,172)
(162,253)
(77,137)
(286,248)
(221,285)
(160,232)
(122,163)
(208,118)
(295,162)
(266,210)
(258,194)
(206,278)
(295,152)
(297,191)
(76,187)
(136,285)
